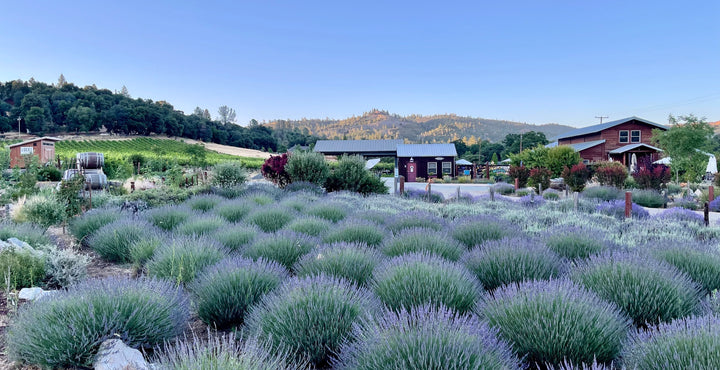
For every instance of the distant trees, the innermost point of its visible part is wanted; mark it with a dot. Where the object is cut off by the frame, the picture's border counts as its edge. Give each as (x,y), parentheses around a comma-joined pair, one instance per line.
(687,136)
(227,114)
(515,143)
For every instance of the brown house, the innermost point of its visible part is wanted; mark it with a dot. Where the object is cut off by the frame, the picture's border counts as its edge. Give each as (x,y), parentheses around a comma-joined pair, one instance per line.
(616,140)
(43,148)
(426,161)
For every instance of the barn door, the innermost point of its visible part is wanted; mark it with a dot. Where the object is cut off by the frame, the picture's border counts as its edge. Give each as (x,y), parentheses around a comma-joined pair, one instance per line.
(412,172)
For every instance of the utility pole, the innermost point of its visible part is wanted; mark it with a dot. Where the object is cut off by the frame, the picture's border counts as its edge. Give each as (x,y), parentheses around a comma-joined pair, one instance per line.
(19,125)
(601,118)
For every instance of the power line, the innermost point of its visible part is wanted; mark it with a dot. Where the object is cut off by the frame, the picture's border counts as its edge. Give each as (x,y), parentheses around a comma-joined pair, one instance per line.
(601,118)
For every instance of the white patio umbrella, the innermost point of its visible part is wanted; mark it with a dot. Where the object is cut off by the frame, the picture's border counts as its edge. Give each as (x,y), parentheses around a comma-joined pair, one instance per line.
(633,163)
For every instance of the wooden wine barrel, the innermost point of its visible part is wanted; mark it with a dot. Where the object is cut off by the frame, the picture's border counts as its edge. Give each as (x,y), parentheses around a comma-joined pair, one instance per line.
(96,179)
(69,174)
(90,160)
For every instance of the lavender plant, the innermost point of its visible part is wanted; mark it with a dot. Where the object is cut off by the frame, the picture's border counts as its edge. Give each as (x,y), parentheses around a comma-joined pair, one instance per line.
(204,203)
(236,236)
(415,219)
(270,219)
(416,279)
(698,260)
(426,337)
(67,328)
(328,211)
(549,322)
(512,260)
(183,257)
(681,215)
(168,217)
(81,227)
(283,247)
(476,230)
(302,316)
(113,241)
(206,224)
(575,242)
(312,226)
(234,210)
(352,261)
(356,231)
(423,240)
(223,292)
(616,208)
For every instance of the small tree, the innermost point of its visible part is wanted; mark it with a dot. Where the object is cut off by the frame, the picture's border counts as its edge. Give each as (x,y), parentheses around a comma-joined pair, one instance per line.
(540,176)
(521,173)
(560,157)
(273,170)
(307,166)
(681,142)
(576,176)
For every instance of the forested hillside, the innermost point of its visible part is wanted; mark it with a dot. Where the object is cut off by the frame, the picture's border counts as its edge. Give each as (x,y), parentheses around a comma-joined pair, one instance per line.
(378,124)
(63,107)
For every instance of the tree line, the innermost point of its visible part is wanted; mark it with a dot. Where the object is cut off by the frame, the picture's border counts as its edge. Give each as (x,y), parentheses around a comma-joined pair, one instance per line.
(40,108)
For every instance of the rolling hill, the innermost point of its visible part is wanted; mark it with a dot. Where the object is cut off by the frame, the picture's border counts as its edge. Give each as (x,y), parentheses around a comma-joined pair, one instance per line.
(378,124)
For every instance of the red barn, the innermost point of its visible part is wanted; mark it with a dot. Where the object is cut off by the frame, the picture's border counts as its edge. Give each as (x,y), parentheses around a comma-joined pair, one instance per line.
(615,140)
(43,148)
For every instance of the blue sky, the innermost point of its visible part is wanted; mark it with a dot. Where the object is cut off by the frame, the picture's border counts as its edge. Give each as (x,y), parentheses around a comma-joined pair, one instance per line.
(529,61)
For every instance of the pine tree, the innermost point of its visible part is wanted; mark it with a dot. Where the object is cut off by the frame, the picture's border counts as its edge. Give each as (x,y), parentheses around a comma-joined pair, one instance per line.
(61,81)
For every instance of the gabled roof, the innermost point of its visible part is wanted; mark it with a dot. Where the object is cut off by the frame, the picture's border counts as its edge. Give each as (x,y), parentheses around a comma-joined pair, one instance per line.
(356,146)
(49,138)
(463,162)
(626,148)
(579,147)
(604,126)
(426,150)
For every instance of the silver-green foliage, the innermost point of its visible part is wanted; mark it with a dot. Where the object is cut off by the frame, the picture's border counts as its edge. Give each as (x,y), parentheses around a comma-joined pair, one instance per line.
(352,261)
(307,166)
(182,258)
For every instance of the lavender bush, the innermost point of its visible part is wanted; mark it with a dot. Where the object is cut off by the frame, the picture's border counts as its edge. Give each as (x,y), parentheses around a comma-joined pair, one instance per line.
(681,215)
(574,242)
(647,290)
(691,343)
(168,217)
(698,260)
(423,240)
(67,328)
(416,279)
(603,193)
(476,230)
(328,211)
(113,241)
(616,209)
(283,247)
(236,236)
(419,194)
(184,257)
(512,260)
(201,225)
(234,210)
(142,250)
(555,321)
(302,316)
(531,201)
(204,203)
(503,188)
(356,231)
(426,337)
(312,226)
(81,227)
(224,292)
(271,219)
(413,219)
(352,261)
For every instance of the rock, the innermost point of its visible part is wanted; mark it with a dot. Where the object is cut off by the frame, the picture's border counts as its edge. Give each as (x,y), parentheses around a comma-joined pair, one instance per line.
(33,294)
(115,355)
(5,245)
(19,244)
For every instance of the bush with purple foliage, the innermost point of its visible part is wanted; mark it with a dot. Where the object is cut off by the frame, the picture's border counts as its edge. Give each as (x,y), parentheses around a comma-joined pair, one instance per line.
(425,337)
(681,215)
(555,321)
(416,279)
(273,170)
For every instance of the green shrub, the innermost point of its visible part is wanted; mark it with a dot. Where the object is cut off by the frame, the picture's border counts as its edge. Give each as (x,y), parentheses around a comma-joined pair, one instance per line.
(284,247)
(549,322)
(426,338)
(168,217)
(235,237)
(221,352)
(48,173)
(356,232)
(575,242)
(648,198)
(648,291)
(115,168)
(307,166)
(84,225)
(303,314)
(416,279)
(270,219)
(64,268)
(162,196)
(182,258)
(350,174)
(67,328)
(415,219)
(479,229)
(603,193)
(26,268)
(224,292)
(692,343)
(310,225)
(142,250)
(233,211)
(423,240)
(204,203)
(201,225)
(112,242)
(41,210)
(512,260)
(700,262)
(330,212)
(354,262)
(551,194)
(229,174)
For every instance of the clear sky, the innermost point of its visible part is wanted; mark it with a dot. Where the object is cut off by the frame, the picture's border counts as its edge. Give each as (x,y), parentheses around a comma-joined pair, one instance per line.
(529,61)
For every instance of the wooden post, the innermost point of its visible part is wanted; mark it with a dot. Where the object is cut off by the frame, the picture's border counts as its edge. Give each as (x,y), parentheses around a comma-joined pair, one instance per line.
(711,193)
(707,213)
(540,189)
(132,186)
(401,184)
(90,193)
(487,170)
(517,183)
(628,204)
(576,197)
(429,189)
(492,194)
(458,193)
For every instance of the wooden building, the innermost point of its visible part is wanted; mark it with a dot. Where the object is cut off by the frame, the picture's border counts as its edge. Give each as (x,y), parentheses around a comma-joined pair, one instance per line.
(42,147)
(616,140)
(426,161)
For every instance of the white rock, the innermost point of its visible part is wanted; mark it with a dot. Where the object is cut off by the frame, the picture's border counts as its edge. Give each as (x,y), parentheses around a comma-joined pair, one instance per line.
(19,243)
(115,355)
(32,294)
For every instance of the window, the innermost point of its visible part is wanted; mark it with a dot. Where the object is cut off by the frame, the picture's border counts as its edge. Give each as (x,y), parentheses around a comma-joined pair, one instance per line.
(624,136)
(432,168)
(635,136)
(26,150)
(447,168)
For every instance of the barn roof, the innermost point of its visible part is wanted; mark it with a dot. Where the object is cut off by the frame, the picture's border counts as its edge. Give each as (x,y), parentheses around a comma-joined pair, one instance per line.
(626,148)
(356,146)
(463,162)
(579,147)
(50,138)
(604,126)
(426,150)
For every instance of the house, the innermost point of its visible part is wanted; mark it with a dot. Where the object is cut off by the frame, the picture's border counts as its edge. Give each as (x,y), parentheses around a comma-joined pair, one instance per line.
(616,140)
(43,148)
(365,148)
(426,161)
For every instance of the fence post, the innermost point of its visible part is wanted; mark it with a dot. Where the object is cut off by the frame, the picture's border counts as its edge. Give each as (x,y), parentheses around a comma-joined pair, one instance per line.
(628,204)
(576,197)
(132,186)
(429,189)
(458,193)
(402,184)
(492,194)
(711,193)
(517,183)
(90,193)
(707,214)
(539,189)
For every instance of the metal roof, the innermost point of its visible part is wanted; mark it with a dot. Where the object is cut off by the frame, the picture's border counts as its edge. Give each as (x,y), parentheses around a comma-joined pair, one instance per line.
(463,162)
(37,139)
(552,145)
(356,146)
(426,150)
(603,126)
(626,148)
(579,147)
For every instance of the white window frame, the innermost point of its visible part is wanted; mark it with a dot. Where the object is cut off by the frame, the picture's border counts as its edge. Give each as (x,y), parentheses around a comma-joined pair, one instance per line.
(24,150)
(627,137)
(639,136)
(434,166)
(449,168)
